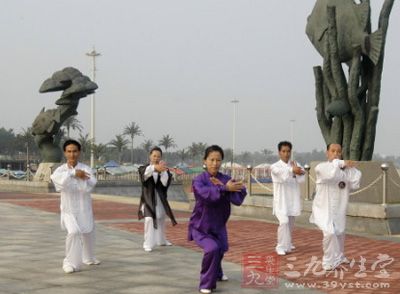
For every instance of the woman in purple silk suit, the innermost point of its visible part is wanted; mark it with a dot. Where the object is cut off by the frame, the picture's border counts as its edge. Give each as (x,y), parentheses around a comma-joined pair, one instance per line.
(214,193)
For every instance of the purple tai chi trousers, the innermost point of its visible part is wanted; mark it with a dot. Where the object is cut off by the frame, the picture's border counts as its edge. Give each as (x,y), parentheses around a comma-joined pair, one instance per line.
(211,269)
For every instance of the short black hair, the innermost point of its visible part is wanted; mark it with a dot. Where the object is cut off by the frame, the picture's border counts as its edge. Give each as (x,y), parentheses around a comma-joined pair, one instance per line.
(329,145)
(284,143)
(71,142)
(156,148)
(213,148)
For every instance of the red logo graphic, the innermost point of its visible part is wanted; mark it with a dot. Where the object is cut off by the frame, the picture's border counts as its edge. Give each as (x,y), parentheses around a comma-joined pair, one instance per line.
(260,270)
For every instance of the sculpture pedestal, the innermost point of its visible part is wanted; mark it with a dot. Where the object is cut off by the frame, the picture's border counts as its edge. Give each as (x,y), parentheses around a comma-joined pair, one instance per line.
(44,171)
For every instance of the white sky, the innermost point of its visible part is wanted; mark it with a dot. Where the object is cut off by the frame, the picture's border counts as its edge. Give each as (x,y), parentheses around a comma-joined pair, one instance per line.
(173,66)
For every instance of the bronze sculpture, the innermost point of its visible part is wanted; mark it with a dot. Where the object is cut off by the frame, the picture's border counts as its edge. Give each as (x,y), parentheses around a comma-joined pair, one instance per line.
(46,126)
(347,108)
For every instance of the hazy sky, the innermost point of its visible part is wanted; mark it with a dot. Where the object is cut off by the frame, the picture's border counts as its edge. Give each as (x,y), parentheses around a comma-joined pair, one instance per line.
(173,66)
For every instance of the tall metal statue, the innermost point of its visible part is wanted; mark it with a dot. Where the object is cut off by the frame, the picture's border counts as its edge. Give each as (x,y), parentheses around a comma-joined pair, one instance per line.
(46,127)
(347,107)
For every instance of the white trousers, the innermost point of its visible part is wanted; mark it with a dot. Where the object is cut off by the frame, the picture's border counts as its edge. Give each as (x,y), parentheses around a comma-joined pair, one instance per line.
(79,247)
(153,237)
(333,247)
(285,235)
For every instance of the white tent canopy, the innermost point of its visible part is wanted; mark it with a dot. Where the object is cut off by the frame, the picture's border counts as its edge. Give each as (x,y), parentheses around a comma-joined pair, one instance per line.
(262,170)
(230,165)
(263,165)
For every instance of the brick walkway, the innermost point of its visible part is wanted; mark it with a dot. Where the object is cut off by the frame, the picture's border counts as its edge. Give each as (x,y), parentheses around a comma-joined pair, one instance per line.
(253,236)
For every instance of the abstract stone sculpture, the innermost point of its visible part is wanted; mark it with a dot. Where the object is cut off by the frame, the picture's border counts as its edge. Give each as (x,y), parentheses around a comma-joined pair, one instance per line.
(347,108)
(46,127)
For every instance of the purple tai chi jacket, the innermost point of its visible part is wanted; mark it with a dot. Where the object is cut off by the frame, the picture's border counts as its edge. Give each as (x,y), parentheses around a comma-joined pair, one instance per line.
(213,208)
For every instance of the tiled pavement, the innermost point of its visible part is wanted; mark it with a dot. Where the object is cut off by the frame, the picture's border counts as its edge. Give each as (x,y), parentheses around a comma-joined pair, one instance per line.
(379,257)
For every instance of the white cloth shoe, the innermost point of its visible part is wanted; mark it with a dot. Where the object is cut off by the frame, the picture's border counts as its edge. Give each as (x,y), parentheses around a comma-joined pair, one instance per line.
(345,260)
(224,278)
(328,267)
(92,262)
(205,291)
(280,252)
(68,269)
(148,249)
(167,243)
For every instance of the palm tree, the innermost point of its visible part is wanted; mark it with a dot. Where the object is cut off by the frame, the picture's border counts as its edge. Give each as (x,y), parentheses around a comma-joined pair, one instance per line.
(182,154)
(120,144)
(85,144)
(193,150)
(26,140)
(72,123)
(167,142)
(98,150)
(27,137)
(132,130)
(147,145)
(196,149)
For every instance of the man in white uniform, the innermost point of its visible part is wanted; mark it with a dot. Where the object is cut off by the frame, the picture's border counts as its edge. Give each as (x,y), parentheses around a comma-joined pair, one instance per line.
(335,179)
(75,181)
(286,176)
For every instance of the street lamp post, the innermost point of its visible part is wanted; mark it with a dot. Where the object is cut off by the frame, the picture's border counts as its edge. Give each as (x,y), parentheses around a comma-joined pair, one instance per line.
(27,161)
(292,121)
(234,102)
(93,54)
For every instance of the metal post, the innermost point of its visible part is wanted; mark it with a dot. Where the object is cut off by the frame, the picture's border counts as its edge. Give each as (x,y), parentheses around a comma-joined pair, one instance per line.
(292,121)
(235,102)
(27,154)
(384,167)
(249,169)
(92,54)
(27,173)
(307,169)
(8,171)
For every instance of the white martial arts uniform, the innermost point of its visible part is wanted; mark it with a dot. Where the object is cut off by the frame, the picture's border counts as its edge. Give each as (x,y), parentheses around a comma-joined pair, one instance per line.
(76,214)
(329,207)
(286,201)
(154,236)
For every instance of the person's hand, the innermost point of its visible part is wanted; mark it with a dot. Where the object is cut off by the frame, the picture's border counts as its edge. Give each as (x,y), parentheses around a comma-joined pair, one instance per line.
(233,186)
(216,182)
(161,166)
(349,163)
(81,174)
(297,170)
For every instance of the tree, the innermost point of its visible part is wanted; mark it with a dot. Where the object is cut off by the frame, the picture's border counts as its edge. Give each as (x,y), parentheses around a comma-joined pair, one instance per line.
(85,145)
(182,154)
(26,141)
(7,141)
(197,150)
(268,154)
(72,123)
(167,142)
(98,150)
(147,145)
(132,130)
(245,157)
(120,144)
(228,154)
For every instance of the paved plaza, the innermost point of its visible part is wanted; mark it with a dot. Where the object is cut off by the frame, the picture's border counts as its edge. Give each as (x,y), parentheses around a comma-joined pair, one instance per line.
(32,250)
